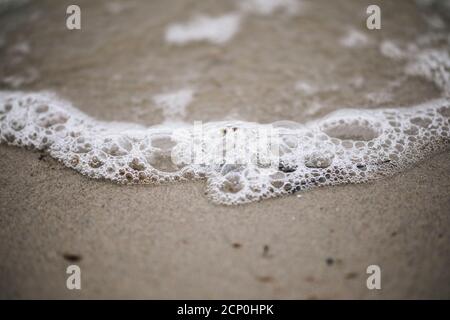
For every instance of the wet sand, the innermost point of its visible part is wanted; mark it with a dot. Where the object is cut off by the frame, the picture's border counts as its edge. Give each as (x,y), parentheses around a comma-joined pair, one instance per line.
(169,241)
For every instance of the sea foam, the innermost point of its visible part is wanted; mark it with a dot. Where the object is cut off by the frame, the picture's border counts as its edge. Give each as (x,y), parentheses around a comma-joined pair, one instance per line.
(347,146)
(267,7)
(216,30)
(173,104)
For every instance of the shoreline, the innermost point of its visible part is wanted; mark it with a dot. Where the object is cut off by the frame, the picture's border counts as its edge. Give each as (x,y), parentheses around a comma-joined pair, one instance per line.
(264,64)
(146,242)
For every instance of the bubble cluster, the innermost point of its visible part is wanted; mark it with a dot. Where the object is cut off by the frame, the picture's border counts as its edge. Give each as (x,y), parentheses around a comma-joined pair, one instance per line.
(347,146)
(433,65)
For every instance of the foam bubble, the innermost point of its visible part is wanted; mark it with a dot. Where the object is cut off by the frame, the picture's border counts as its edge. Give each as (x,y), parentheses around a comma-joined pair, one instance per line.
(216,30)
(347,146)
(427,57)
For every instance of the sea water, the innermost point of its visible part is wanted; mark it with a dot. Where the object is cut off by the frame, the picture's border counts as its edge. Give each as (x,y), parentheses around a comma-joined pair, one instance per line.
(243,161)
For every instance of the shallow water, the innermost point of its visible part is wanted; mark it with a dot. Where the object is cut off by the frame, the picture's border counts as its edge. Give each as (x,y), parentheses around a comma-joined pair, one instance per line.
(158,67)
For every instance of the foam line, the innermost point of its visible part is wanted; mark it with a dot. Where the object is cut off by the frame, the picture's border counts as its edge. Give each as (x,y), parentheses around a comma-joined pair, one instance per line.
(347,146)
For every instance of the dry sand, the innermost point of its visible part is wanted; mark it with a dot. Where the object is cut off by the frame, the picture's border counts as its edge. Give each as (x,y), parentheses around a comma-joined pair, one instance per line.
(169,241)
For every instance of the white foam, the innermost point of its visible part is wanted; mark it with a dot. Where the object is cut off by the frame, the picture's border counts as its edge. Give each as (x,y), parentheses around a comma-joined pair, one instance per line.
(354,39)
(173,104)
(217,30)
(311,89)
(28,76)
(434,65)
(391,50)
(380,97)
(306,88)
(221,29)
(427,57)
(267,7)
(347,146)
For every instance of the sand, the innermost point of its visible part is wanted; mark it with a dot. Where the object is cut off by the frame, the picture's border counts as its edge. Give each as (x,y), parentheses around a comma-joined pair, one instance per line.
(170,241)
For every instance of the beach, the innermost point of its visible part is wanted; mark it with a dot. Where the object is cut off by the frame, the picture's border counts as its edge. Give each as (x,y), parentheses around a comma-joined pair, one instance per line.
(170,240)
